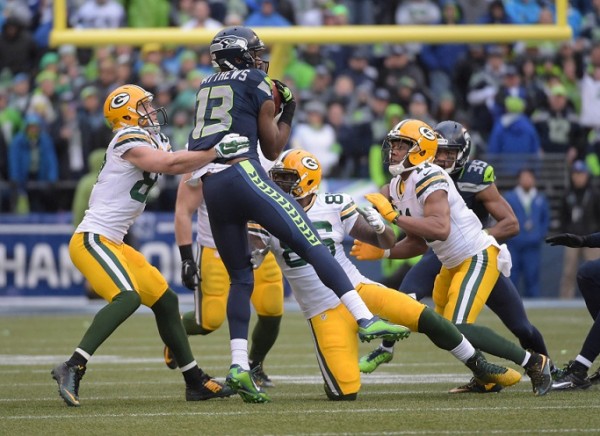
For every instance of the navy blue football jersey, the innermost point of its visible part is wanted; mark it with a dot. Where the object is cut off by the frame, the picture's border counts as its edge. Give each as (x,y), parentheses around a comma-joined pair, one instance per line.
(229,102)
(475,176)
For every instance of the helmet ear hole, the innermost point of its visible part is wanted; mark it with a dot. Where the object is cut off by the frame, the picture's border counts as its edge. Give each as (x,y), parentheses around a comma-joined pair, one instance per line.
(127,117)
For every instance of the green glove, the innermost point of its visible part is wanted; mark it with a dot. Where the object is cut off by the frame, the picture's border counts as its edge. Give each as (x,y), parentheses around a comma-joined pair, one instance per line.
(286,93)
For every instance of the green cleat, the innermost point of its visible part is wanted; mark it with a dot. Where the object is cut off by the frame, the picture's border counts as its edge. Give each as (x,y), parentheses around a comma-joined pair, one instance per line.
(242,382)
(68,378)
(371,361)
(369,329)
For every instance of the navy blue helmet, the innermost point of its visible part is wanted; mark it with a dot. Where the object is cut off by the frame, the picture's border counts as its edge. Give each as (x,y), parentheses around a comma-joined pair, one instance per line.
(237,48)
(453,136)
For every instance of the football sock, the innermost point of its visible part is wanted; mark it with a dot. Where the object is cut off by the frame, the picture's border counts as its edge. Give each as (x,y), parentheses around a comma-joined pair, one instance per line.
(464,351)
(591,346)
(108,319)
(79,358)
(356,305)
(239,353)
(491,342)
(191,328)
(263,336)
(439,330)
(170,327)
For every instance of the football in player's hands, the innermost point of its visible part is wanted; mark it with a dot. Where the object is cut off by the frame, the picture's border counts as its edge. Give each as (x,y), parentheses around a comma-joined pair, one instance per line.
(277,98)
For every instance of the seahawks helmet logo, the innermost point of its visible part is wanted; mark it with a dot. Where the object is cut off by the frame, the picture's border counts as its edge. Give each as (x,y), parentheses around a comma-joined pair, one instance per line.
(310,163)
(119,100)
(427,133)
(229,42)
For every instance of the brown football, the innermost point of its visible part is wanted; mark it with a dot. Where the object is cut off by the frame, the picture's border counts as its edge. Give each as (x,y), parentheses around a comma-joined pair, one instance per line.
(276,99)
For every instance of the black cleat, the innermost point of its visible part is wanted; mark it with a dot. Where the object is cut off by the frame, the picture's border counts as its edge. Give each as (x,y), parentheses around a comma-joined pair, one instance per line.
(477,387)
(595,377)
(260,377)
(68,378)
(574,376)
(538,370)
(210,388)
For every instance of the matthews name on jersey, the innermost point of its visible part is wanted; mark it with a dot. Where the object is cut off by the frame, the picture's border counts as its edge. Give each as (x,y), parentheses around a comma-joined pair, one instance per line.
(231,102)
(475,176)
(466,237)
(333,215)
(112,211)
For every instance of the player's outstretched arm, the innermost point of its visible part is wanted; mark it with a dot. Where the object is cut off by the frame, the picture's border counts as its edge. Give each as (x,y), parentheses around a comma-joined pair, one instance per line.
(370,228)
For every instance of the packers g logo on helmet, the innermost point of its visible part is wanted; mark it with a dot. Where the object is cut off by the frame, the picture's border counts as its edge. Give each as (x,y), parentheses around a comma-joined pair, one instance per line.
(420,139)
(131,105)
(297,172)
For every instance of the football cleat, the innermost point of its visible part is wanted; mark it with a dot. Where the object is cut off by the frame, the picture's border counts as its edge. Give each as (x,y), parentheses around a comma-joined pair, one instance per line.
(476,387)
(574,376)
(538,370)
(209,388)
(260,377)
(369,329)
(369,363)
(595,377)
(556,372)
(68,378)
(490,373)
(242,382)
(169,358)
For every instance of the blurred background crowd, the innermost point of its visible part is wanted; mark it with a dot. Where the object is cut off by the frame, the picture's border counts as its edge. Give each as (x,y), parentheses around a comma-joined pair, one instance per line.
(536,104)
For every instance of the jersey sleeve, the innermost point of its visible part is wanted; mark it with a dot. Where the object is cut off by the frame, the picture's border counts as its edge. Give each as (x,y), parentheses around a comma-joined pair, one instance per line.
(348,212)
(430,180)
(127,139)
(477,176)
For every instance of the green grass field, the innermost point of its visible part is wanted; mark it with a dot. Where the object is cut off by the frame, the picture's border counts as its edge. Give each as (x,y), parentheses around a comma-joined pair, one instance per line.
(129,390)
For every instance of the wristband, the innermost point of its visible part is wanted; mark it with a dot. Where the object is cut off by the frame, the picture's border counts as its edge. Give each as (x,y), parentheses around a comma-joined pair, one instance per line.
(288,113)
(386,253)
(186,252)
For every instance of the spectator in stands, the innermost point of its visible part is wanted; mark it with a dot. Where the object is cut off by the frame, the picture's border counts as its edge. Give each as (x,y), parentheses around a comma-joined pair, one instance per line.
(67,138)
(533,212)
(200,17)
(496,14)
(418,12)
(513,132)
(523,11)
(44,101)
(398,64)
(510,86)
(91,123)
(17,48)
(558,127)
(440,59)
(580,215)
(266,15)
(98,14)
(181,12)
(11,119)
(590,97)
(20,96)
(107,77)
(418,108)
(591,23)
(359,69)
(32,157)
(317,137)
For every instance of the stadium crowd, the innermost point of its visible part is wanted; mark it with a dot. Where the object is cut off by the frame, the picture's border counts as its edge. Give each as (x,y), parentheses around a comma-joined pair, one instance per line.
(533,99)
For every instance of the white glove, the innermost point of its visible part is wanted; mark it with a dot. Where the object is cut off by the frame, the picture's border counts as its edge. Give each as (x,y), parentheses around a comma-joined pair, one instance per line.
(257,256)
(504,261)
(232,145)
(373,218)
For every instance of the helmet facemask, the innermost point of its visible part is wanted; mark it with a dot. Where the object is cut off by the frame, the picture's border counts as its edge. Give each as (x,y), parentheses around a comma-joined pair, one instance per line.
(287,179)
(394,142)
(150,118)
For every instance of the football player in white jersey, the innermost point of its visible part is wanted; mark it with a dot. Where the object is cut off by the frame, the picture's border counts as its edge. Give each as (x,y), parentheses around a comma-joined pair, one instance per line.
(211,284)
(134,159)
(422,200)
(333,328)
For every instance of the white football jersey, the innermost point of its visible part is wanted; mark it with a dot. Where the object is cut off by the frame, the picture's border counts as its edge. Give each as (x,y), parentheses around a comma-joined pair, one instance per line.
(466,238)
(120,193)
(333,215)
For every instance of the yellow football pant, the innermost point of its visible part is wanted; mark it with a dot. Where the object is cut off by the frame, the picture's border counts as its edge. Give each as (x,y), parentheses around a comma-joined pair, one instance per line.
(335,333)
(267,296)
(460,293)
(112,268)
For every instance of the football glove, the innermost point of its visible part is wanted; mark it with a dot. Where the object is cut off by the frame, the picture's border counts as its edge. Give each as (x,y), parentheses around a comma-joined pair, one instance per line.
(189,274)
(364,251)
(286,93)
(232,145)
(566,239)
(383,205)
(373,218)
(257,256)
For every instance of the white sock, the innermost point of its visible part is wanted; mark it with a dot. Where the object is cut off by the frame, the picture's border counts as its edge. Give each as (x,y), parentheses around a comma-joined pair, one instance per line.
(585,362)
(388,349)
(239,353)
(463,351)
(527,357)
(83,353)
(356,305)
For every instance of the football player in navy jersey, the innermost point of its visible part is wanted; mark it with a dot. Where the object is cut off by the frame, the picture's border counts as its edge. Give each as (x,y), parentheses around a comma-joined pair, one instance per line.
(475,183)
(238,99)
